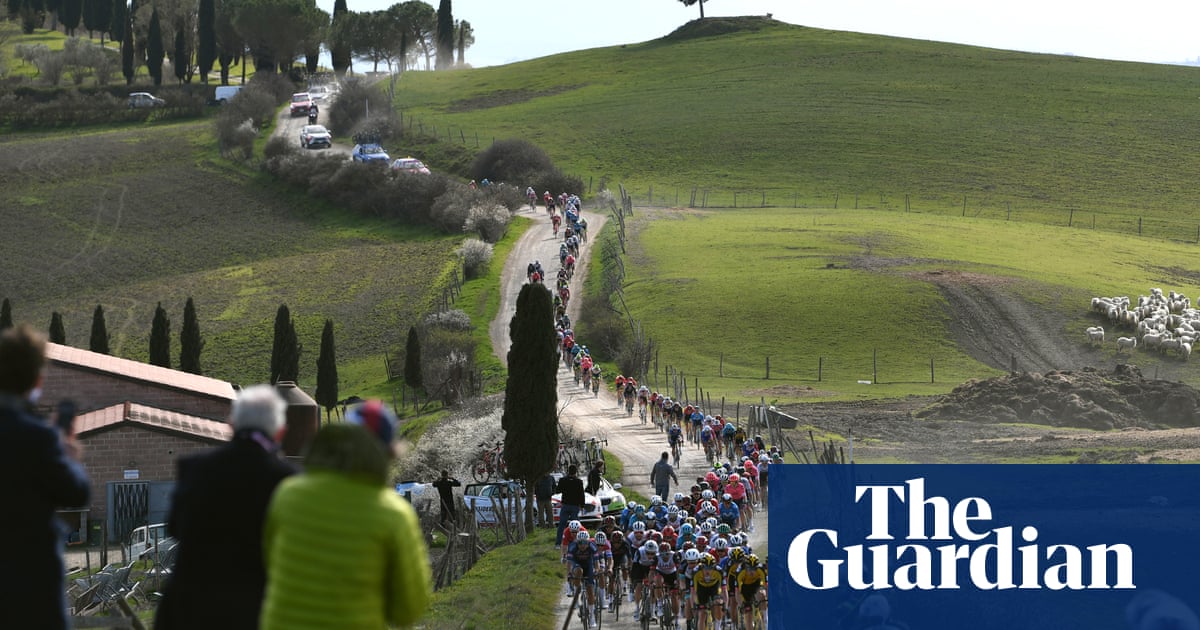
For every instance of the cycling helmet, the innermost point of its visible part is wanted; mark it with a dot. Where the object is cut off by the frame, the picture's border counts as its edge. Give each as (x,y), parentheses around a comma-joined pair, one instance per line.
(708,494)
(692,555)
(706,527)
(691,520)
(685,529)
(724,529)
(673,510)
(696,487)
(707,560)
(702,542)
(752,559)
(583,537)
(678,497)
(737,540)
(726,497)
(720,544)
(650,547)
(601,538)
(713,522)
(655,501)
(574,526)
(763,457)
(609,520)
(640,509)
(639,526)
(736,553)
(710,508)
(687,544)
(668,531)
(665,546)
(735,478)
(656,536)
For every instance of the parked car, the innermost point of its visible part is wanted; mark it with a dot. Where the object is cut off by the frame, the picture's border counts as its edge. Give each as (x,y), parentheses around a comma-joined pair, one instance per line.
(138,100)
(608,500)
(483,497)
(410,165)
(312,136)
(142,540)
(226,92)
(369,154)
(301,101)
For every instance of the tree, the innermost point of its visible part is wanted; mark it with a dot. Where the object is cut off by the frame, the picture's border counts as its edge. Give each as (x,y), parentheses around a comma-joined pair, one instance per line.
(71,13)
(160,338)
(99,339)
(466,39)
(230,46)
(118,21)
(412,359)
(154,50)
(530,420)
(128,68)
(58,333)
(6,321)
(419,20)
(206,32)
(327,375)
(688,3)
(339,45)
(181,60)
(191,343)
(276,30)
(285,353)
(97,15)
(445,35)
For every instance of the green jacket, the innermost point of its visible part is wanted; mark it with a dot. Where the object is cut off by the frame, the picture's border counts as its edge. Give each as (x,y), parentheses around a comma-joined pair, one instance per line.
(342,553)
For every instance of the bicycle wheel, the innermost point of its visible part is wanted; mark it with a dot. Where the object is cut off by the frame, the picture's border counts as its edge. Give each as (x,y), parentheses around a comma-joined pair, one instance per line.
(480,472)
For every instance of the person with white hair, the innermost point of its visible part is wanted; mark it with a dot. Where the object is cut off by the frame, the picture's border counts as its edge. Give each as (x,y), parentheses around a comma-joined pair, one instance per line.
(217,515)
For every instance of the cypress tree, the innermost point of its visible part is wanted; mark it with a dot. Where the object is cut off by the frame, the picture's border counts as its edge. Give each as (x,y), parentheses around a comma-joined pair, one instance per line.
(99,339)
(71,13)
(154,49)
(128,68)
(206,32)
(160,338)
(327,376)
(445,35)
(182,59)
(339,47)
(58,333)
(289,369)
(412,359)
(117,21)
(190,341)
(6,321)
(530,420)
(283,318)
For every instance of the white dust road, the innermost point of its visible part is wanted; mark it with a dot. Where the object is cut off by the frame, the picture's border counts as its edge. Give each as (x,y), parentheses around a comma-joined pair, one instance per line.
(637,445)
(289,127)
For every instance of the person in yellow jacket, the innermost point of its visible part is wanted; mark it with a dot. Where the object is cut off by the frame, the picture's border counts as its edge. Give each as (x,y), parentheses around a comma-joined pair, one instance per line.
(343,551)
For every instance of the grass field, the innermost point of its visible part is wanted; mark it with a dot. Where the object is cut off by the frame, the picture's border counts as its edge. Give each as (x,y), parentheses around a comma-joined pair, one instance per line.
(802,114)
(130,218)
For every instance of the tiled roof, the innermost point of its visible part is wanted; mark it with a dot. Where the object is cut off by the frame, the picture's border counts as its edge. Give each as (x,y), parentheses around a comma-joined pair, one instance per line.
(134,413)
(139,371)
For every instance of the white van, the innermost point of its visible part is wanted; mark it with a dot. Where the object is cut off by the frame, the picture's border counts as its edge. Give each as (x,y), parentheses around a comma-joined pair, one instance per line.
(143,539)
(226,92)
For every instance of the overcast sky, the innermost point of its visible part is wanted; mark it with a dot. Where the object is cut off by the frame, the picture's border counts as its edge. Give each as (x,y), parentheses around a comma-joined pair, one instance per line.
(1159,31)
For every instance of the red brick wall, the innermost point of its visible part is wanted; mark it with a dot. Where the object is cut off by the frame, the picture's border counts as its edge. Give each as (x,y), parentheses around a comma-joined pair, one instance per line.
(93,390)
(107,454)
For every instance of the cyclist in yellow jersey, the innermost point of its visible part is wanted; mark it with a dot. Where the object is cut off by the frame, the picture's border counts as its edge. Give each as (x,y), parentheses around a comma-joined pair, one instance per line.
(751,577)
(707,586)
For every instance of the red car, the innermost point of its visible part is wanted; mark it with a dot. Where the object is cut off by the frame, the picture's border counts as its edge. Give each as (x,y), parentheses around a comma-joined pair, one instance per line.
(301,101)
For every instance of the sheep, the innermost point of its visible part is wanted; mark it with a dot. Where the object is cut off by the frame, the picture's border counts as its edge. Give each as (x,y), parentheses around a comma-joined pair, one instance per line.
(1152,340)
(1169,344)
(1126,343)
(1185,350)
(1095,335)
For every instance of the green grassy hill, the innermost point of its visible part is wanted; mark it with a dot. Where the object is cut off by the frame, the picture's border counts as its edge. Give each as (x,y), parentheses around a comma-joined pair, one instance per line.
(803,114)
(131,217)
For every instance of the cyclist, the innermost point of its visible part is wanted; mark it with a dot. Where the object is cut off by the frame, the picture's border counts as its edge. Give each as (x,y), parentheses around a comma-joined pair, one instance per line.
(675,439)
(708,440)
(585,368)
(582,556)
(764,465)
(574,528)
(643,398)
(630,392)
(750,577)
(691,560)
(708,587)
(555,221)
(731,566)
(667,568)
(531,197)
(604,564)
(596,371)
(620,549)
(727,433)
(619,383)
(643,559)
(735,489)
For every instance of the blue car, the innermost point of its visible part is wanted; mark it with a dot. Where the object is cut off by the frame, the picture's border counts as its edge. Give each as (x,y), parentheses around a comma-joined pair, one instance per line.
(369,154)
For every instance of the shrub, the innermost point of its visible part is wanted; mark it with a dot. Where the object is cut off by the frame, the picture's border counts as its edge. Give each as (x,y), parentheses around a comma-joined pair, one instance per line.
(450,210)
(490,221)
(510,161)
(411,197)
(351,106)
(253,103)
(384,125)
(275,85)
(235,139)
(278,146)
(50,65)
(507,195)
(447,364)
(453,319)
(476,256)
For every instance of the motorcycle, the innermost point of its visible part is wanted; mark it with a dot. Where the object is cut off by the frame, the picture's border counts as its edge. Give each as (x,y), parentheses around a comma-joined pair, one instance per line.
(312,118)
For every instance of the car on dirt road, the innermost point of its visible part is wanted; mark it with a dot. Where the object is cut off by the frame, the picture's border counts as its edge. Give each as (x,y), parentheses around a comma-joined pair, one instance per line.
(608,500)
(369,154)
(301,102)
(314,136)
(410,165)
(139,100)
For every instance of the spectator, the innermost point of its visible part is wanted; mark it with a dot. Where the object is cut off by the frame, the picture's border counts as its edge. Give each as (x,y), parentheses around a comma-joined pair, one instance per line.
(42,472)
(571,488)
(542,491)
(217,514)
(661,476)
(343,550)
(593,484)
(445,487)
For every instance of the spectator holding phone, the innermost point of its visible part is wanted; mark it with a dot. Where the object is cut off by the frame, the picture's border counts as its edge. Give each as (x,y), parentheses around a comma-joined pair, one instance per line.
(42,471)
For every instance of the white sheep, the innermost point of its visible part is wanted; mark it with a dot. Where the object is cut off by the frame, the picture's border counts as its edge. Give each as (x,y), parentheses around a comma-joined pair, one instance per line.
(1185,350)
(1152,340)
(1169,344)
(1126,343)
(1095,335)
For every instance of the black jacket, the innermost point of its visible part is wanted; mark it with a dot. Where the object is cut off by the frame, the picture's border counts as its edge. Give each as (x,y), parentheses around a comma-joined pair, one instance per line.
(572,491)
(217,514)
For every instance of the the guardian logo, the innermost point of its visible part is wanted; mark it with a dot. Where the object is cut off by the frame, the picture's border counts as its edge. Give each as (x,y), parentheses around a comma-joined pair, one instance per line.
(945,546)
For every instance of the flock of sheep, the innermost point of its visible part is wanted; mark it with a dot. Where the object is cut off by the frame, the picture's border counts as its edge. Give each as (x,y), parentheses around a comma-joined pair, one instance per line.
(1166,323)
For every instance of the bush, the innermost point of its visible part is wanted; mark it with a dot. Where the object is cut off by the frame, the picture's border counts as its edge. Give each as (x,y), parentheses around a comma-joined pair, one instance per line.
(489,221)
(237,139)
(253,103)
(273,84)
(278,146)
(384,125)
(447,364)
(507,195)
(453,319)
(510,161)
(450,210)
(351,106)
(50,65)
(476,256)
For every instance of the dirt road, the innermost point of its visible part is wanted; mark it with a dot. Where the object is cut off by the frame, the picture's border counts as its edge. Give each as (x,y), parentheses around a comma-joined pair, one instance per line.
(289,127)
(637,445)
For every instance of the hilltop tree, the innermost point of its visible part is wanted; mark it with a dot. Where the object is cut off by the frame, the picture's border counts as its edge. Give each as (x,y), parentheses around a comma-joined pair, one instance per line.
(339,45)
(160,338)
(206,33)
(6,321)
(688,3)
(412,359)
(154,49)
(191,343)
(181,61)
(419,20)
(99,339)
(285,353)
(445,35)
(466,38)
(58,332)
(530,422)
(276,31)
(327,375)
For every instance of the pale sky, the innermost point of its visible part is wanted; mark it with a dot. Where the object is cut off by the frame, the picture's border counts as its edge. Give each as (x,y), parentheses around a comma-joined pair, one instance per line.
(1158,31)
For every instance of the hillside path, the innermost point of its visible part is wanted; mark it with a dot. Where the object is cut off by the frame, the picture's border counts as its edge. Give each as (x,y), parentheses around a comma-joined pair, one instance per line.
(637,445)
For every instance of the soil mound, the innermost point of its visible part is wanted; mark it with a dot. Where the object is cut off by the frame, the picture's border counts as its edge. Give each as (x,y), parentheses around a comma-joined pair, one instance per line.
(1087,398)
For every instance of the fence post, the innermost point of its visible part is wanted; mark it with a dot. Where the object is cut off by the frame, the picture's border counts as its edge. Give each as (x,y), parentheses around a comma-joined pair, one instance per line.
(721,365)
(650,197)
(1139,226)
(835,200)
(856,201)
(1070,217)
(875,366)
(964,212)
(735,199)
(820,367)
(764,202)
(931,369)
(768,368)
(1009,216)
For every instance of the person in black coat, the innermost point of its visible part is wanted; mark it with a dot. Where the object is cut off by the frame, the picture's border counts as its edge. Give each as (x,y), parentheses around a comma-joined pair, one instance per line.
(572,500)
(445,487)
(217,514)
(41,469)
